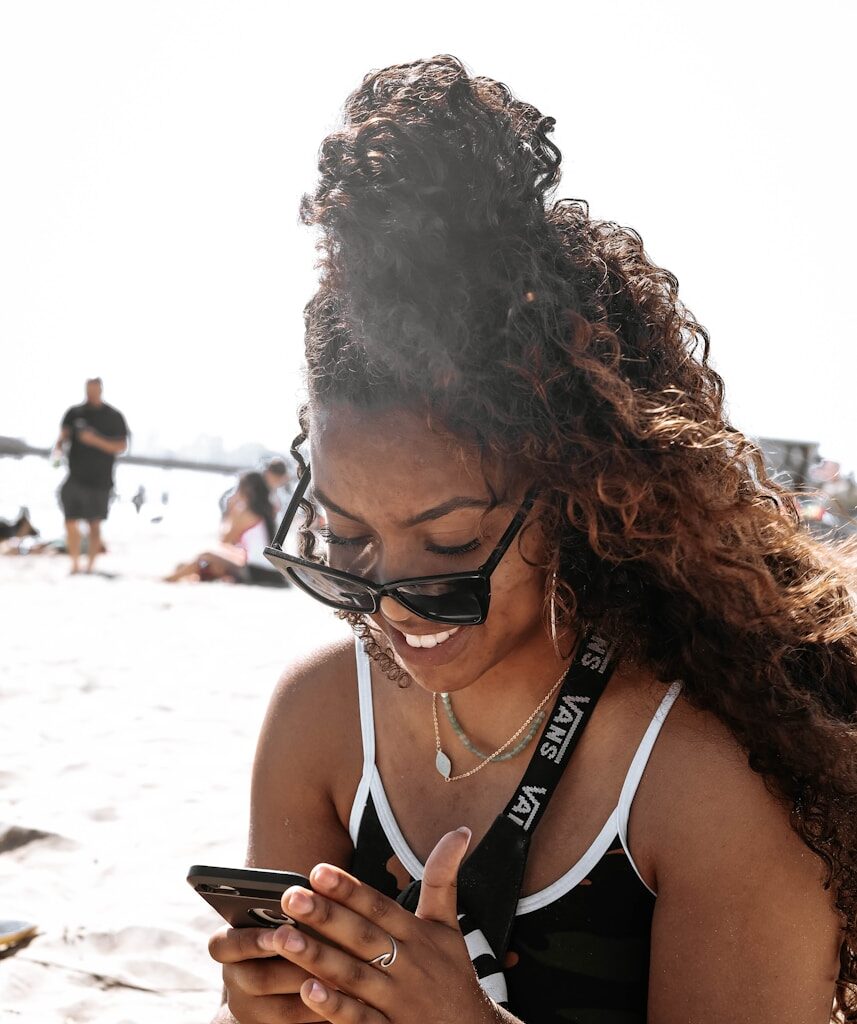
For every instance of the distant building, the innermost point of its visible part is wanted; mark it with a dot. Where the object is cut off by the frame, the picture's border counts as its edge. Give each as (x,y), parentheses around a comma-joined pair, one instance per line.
(791,460)
(828,500)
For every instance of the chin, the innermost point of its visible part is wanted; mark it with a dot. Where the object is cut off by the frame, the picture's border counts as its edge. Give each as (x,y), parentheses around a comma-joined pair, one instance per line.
(449,666)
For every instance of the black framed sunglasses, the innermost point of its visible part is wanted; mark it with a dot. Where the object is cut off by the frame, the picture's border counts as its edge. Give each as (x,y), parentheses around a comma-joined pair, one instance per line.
(455,598)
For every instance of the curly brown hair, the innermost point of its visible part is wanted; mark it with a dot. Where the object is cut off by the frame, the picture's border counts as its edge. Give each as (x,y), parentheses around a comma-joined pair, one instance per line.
(450,285)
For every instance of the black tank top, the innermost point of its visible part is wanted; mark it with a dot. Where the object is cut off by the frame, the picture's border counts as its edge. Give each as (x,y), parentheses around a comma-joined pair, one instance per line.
(579,952)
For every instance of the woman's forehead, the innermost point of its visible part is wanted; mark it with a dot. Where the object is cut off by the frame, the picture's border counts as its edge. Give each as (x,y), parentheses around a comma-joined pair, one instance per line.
(393,455)
(343,431)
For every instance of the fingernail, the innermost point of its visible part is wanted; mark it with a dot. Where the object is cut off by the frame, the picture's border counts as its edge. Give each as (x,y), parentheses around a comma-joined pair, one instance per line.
(294,941)
(266,940)
(317,993)
(301,902)
(324,878)
(465,831)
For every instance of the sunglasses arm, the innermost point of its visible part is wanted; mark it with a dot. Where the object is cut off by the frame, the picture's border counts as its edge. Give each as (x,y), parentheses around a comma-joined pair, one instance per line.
(291,511)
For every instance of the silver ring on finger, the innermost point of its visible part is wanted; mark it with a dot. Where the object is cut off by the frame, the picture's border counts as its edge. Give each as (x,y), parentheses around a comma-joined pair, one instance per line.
(386,960)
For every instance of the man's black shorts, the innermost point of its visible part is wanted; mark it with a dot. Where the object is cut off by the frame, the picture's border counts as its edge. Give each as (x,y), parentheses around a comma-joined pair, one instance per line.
(81,501)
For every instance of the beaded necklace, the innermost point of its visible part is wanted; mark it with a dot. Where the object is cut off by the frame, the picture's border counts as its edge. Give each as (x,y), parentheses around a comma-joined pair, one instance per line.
(442,761)
(468,744)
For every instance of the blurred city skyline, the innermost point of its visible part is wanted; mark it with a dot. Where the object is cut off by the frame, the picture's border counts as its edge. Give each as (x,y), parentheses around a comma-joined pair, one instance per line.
(156,155)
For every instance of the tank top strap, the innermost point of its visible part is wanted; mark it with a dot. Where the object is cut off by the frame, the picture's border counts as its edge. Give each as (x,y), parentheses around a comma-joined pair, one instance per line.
(638,766)
(367,732)
(367,714)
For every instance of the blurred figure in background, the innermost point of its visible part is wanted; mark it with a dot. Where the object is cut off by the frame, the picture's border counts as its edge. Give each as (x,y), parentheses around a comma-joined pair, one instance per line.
(279,482)
(13,529)
(247,528)
(94,433)
(17,536)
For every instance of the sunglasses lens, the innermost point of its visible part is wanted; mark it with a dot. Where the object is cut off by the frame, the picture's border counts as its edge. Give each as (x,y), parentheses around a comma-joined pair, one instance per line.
(342,593)
(455,601)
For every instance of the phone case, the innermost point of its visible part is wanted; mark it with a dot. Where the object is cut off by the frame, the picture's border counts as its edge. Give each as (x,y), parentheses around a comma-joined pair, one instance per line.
(246,897)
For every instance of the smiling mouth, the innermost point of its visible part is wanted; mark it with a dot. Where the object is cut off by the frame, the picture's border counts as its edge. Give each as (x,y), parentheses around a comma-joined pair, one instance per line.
(429,639)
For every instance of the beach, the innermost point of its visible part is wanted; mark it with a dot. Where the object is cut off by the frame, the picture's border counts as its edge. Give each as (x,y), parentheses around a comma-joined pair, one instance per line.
(130,710)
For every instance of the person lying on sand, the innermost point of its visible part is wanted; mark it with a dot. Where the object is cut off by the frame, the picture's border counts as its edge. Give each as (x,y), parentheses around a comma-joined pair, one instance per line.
(246,530)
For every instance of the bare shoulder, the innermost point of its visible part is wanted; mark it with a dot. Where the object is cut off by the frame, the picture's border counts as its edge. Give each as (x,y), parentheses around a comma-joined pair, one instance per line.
(308,761)
(742,915)
(319,689)
(699,790)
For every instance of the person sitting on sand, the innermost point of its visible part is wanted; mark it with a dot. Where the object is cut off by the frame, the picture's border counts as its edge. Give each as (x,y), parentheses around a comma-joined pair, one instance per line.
(277,477)
(246,529)
(19,536)
(18,527)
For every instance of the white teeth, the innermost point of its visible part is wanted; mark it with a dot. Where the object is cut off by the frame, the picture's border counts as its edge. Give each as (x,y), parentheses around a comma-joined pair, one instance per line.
(430,640)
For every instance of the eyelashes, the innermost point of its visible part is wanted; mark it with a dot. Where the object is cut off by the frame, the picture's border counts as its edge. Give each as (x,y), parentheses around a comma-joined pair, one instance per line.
(436,549)
(462,549)
(331,538)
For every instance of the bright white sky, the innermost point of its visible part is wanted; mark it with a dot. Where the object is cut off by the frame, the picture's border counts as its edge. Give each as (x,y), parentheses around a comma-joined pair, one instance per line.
(154,154)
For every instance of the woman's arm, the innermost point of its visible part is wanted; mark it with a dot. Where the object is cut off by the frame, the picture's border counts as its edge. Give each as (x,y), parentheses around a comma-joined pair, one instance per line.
(743,929)
(308,762)
(307,765)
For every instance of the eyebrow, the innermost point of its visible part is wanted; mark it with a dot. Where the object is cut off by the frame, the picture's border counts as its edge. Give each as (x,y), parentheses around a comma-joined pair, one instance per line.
(436,512)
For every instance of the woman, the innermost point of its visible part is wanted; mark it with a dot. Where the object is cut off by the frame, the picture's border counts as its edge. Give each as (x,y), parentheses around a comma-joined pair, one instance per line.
(246,529)
(500,382)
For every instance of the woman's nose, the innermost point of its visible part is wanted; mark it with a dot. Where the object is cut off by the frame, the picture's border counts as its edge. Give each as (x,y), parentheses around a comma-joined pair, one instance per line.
(393,611)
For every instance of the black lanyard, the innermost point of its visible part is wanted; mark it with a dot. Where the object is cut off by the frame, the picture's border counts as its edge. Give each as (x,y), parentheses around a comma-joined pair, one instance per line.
(490,879)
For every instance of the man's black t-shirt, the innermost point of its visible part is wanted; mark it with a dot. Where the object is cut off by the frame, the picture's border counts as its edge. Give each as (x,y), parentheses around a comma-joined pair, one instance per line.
(88,465)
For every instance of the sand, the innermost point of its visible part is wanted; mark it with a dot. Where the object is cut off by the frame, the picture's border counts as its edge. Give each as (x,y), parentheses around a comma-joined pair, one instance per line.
(130,710)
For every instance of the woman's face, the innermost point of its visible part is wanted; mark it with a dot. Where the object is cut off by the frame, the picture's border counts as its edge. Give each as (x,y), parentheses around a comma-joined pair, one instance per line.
(400,501)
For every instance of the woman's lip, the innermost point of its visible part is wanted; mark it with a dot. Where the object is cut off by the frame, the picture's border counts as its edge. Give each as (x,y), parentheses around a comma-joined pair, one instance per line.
(437,655)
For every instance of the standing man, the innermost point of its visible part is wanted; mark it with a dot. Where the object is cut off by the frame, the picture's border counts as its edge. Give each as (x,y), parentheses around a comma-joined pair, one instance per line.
(98,433)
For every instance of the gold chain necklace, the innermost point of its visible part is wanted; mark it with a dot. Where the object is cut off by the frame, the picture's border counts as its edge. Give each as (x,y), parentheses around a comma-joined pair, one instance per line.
(442,761)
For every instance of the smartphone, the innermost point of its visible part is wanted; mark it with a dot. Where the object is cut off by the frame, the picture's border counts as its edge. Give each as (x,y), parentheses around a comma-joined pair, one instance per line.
(246,897)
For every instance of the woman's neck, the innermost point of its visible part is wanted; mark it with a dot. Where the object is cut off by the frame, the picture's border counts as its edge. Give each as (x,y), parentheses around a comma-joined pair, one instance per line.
(500,700)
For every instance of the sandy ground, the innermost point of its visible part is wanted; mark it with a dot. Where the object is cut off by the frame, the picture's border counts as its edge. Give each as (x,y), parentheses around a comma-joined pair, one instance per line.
(130,710)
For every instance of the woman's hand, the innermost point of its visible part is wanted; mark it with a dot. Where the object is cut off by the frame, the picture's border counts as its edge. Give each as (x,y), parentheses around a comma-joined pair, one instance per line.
(431,981)
(260,985)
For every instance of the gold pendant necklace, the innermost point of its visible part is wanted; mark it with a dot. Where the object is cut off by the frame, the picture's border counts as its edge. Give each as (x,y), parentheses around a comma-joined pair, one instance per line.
(442,761)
